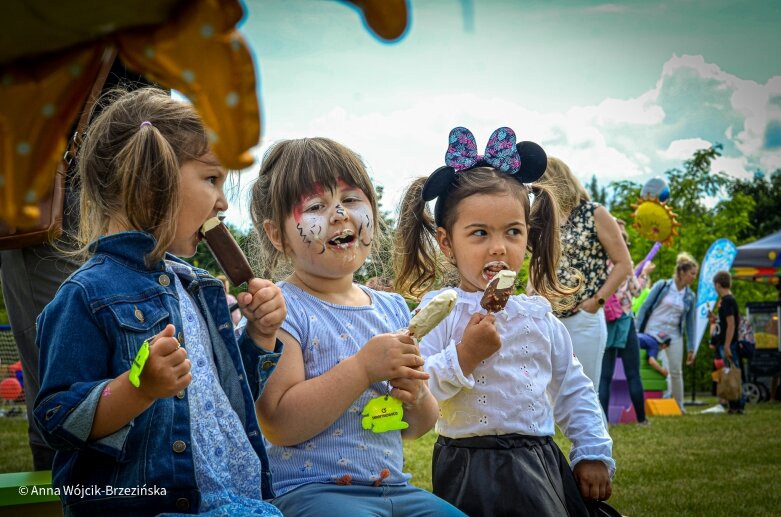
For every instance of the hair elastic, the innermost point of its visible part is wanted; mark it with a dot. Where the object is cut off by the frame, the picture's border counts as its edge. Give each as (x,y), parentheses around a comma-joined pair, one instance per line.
(145,123)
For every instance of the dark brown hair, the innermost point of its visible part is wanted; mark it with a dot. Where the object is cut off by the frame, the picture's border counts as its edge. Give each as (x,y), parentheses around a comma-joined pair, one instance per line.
(417,261)
(723,279)
(129,171)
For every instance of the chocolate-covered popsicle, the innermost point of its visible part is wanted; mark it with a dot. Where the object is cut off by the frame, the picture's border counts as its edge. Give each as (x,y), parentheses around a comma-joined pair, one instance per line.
(227,251)
(498,291)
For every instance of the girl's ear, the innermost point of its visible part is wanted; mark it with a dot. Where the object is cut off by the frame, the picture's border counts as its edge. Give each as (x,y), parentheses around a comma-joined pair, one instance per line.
(274,235)
(444,243)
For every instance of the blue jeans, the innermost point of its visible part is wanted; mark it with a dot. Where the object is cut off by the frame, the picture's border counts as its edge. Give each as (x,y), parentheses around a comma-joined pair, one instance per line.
(328,499)
(630,355)
(735,405)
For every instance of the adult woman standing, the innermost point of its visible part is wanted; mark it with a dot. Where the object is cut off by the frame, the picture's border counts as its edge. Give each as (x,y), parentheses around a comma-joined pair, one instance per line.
(670,308)
(622,341)
(589,237)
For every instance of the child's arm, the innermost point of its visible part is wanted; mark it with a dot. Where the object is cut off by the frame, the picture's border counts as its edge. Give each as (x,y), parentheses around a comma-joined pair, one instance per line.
(421,415)
(451,364)
(293,409)
(264,307)
(593,479)
(578,414)
(166,372)
(656,366)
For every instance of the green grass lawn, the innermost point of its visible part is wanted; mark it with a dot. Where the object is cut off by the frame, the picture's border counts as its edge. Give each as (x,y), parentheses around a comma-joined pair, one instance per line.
(699,464)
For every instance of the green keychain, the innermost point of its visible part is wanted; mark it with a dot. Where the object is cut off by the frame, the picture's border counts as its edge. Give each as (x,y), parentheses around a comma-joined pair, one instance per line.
(382,414)
(138,364)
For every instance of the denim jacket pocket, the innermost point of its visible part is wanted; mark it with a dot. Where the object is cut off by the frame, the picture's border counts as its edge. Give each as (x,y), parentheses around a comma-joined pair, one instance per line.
(137,321)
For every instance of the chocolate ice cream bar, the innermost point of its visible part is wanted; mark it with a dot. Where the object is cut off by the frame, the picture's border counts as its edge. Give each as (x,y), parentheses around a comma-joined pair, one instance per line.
(498,291)
(227,252)
(425,319)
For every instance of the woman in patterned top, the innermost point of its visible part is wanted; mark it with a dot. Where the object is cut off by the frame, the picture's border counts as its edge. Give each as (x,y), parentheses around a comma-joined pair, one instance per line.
(589,237)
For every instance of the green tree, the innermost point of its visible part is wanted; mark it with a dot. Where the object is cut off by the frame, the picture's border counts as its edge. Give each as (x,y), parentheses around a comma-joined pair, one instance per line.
(766,215)
(598,195)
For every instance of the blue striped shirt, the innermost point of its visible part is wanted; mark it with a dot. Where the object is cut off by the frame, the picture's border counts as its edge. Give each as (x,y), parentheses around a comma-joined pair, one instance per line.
(344,452)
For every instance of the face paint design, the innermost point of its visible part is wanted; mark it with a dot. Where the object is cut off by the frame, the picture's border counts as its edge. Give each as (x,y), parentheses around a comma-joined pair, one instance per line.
(366,225)
(347,219)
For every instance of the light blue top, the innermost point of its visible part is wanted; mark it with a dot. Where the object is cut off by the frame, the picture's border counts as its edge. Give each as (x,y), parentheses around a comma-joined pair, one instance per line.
(227,469)
(344,452)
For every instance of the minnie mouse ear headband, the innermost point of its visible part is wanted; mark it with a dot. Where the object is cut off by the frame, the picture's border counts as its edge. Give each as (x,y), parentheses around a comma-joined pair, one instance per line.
(525,162)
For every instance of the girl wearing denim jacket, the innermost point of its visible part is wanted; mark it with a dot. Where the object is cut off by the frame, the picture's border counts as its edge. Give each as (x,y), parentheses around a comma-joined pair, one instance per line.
(183,435)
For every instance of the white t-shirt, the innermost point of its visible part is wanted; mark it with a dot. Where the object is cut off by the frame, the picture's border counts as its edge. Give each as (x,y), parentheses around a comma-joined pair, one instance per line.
(666,317)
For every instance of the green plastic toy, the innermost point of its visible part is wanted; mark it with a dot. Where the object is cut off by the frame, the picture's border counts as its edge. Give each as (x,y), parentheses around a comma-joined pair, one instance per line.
(383,414)
(138,364)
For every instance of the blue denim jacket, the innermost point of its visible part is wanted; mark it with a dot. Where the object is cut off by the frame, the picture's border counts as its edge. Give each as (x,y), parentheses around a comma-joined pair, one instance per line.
(88,335)
(688,323)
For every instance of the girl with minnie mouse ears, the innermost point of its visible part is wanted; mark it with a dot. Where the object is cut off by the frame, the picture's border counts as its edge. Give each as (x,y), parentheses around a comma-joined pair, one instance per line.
(504,378)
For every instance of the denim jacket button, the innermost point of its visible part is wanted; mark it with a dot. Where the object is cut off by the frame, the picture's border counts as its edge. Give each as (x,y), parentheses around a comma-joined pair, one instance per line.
(267,365)
(180,395)
(164,280)
(182,504)
(180,338)
(179,446)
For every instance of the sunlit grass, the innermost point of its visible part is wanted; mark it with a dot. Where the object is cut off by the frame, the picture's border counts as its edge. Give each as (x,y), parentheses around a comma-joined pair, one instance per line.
(700,464)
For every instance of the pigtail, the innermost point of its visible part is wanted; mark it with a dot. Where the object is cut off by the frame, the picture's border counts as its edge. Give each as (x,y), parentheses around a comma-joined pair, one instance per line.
(129,166)
(544,245)
(415,258)
(150,187)
(261,210)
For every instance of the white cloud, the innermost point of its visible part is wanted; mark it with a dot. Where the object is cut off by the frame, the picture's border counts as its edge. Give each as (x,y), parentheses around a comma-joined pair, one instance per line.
(683,149)
(692,105)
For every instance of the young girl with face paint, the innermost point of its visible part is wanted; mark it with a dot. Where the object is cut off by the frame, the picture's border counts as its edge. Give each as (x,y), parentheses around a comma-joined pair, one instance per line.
(314,206)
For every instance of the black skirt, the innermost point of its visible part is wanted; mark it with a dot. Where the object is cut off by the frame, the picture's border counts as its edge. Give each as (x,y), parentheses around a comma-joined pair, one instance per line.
(507,475)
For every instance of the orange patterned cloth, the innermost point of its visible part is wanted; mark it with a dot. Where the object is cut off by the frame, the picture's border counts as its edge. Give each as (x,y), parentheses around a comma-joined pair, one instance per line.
(198,52)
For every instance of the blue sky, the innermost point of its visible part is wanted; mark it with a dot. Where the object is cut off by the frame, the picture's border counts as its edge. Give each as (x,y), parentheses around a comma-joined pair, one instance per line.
(620,90)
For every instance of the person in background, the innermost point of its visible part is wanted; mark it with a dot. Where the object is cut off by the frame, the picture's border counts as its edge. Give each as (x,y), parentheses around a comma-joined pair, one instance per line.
(727,331)
(670,308)
(233,304)
(622,341)
(589,237)
(653,344)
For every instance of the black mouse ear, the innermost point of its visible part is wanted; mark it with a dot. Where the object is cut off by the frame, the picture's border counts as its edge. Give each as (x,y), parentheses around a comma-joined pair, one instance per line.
(438,182)
(534,161)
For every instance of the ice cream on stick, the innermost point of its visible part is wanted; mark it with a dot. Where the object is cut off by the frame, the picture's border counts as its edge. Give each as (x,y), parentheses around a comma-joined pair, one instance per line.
(425,319)
(226,250)
(498,291)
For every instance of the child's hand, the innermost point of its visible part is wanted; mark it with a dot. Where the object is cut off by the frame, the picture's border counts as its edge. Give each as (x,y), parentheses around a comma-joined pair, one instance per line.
(391,356)
(480,340)
(409,391)
(167,369)
(264,307)
(593,479)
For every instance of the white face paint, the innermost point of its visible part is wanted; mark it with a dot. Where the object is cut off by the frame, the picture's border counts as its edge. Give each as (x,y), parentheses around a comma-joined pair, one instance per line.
(338,222)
